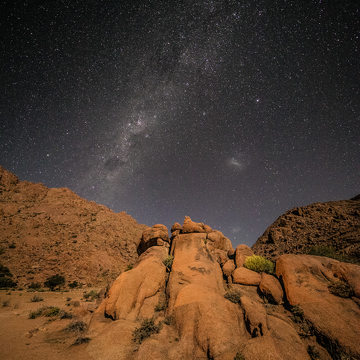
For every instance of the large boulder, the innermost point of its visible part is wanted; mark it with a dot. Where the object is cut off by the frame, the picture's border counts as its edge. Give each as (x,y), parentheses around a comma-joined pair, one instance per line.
(308,281)
(245,276)
(241,254)
(190,226)
(135,293)
(270,287)
(156,235)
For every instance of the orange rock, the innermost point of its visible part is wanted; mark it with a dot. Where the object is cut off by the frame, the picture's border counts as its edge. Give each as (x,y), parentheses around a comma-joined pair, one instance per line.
(156,235)
(271,288)
(190,226)
(306,279)
(137,290)
(255,317)
(242,252)
(219,241)
(228,268)
(245,276)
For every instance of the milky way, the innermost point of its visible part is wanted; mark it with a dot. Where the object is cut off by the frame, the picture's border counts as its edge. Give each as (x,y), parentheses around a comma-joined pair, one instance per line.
(230,112)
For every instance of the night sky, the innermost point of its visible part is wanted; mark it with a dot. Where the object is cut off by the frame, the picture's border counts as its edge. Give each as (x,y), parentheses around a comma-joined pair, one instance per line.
(230,112)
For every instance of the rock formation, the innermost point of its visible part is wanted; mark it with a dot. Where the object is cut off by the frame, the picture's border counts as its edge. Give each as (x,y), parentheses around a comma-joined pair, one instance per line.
(206,305)
(334,223)
(48,231)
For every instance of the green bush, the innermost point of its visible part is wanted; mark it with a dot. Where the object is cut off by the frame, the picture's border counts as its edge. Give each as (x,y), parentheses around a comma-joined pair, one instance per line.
(35,286)
(168,261)
(91,295)
(233,296)
(147,328)
(73,285)
(36,313)
(332,253)
(259,264)
(53,281)
(51,311)
(6,282)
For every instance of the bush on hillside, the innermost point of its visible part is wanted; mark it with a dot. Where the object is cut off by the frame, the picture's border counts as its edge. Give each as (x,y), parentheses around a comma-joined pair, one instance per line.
(147,328)
(259,264)
(55,281)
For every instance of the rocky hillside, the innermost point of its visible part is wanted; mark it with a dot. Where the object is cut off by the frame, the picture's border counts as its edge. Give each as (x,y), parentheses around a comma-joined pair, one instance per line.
(334,223)
(190,297)
(48,231)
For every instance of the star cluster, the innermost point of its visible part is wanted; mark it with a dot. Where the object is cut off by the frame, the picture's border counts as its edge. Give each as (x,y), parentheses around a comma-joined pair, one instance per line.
(231,112)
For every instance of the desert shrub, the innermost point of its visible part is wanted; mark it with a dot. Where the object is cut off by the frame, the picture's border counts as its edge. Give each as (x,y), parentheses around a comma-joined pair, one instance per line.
(5,271)
(36,298)
(6,303)
(53,281)
(342,289)
(76,326)
(81,340)
(73,285)
(36,313)
(160,306)
(6,282)
(297,314)
(12,245)
(65,315)
(313,353)
(51,311)
(239,357)
(129,267)
(34,286)
(259,264)
(91,295)
(233,296)
(168,319)
(331,252)
(147,328)
(168,262)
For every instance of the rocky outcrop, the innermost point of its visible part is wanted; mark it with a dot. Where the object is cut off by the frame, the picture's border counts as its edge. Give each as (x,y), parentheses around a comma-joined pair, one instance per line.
(209,311)
(48,231)
(334,223)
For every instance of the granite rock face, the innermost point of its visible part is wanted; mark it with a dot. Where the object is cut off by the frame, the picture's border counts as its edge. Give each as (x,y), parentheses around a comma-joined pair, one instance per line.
(334,223)
(213,309)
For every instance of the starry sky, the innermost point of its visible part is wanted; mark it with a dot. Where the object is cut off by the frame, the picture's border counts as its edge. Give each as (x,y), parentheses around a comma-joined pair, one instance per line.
(230,112)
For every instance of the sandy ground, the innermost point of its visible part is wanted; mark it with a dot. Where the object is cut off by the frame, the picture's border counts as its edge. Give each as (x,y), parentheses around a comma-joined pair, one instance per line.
(22,338)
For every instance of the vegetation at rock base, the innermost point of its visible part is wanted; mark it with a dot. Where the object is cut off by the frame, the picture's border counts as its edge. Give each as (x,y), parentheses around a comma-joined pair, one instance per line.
(297,314)
(147,328)
(160,306)
(233,296)
(168,261)
(259,264)
(35,286)
(5,277)
(55,281)
(81,340)
(331,252)
(76,326)
(73,284)
(342,289)
(239,357)
(129,267)
(313,353)
(91,295)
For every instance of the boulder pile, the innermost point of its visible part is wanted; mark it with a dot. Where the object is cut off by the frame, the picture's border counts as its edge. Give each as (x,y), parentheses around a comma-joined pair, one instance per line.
(190,297)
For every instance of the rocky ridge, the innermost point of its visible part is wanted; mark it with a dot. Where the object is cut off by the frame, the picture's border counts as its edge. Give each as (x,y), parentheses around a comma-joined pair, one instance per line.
(334,223)
(48,231)
(207,305)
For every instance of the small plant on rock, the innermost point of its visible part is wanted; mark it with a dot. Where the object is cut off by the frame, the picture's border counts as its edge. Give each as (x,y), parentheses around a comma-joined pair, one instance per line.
(147,328)
(313,353)
(342,289)
(168,261)
(81,340)
(160,306)
(297,314)
(259,264)
(233,296)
